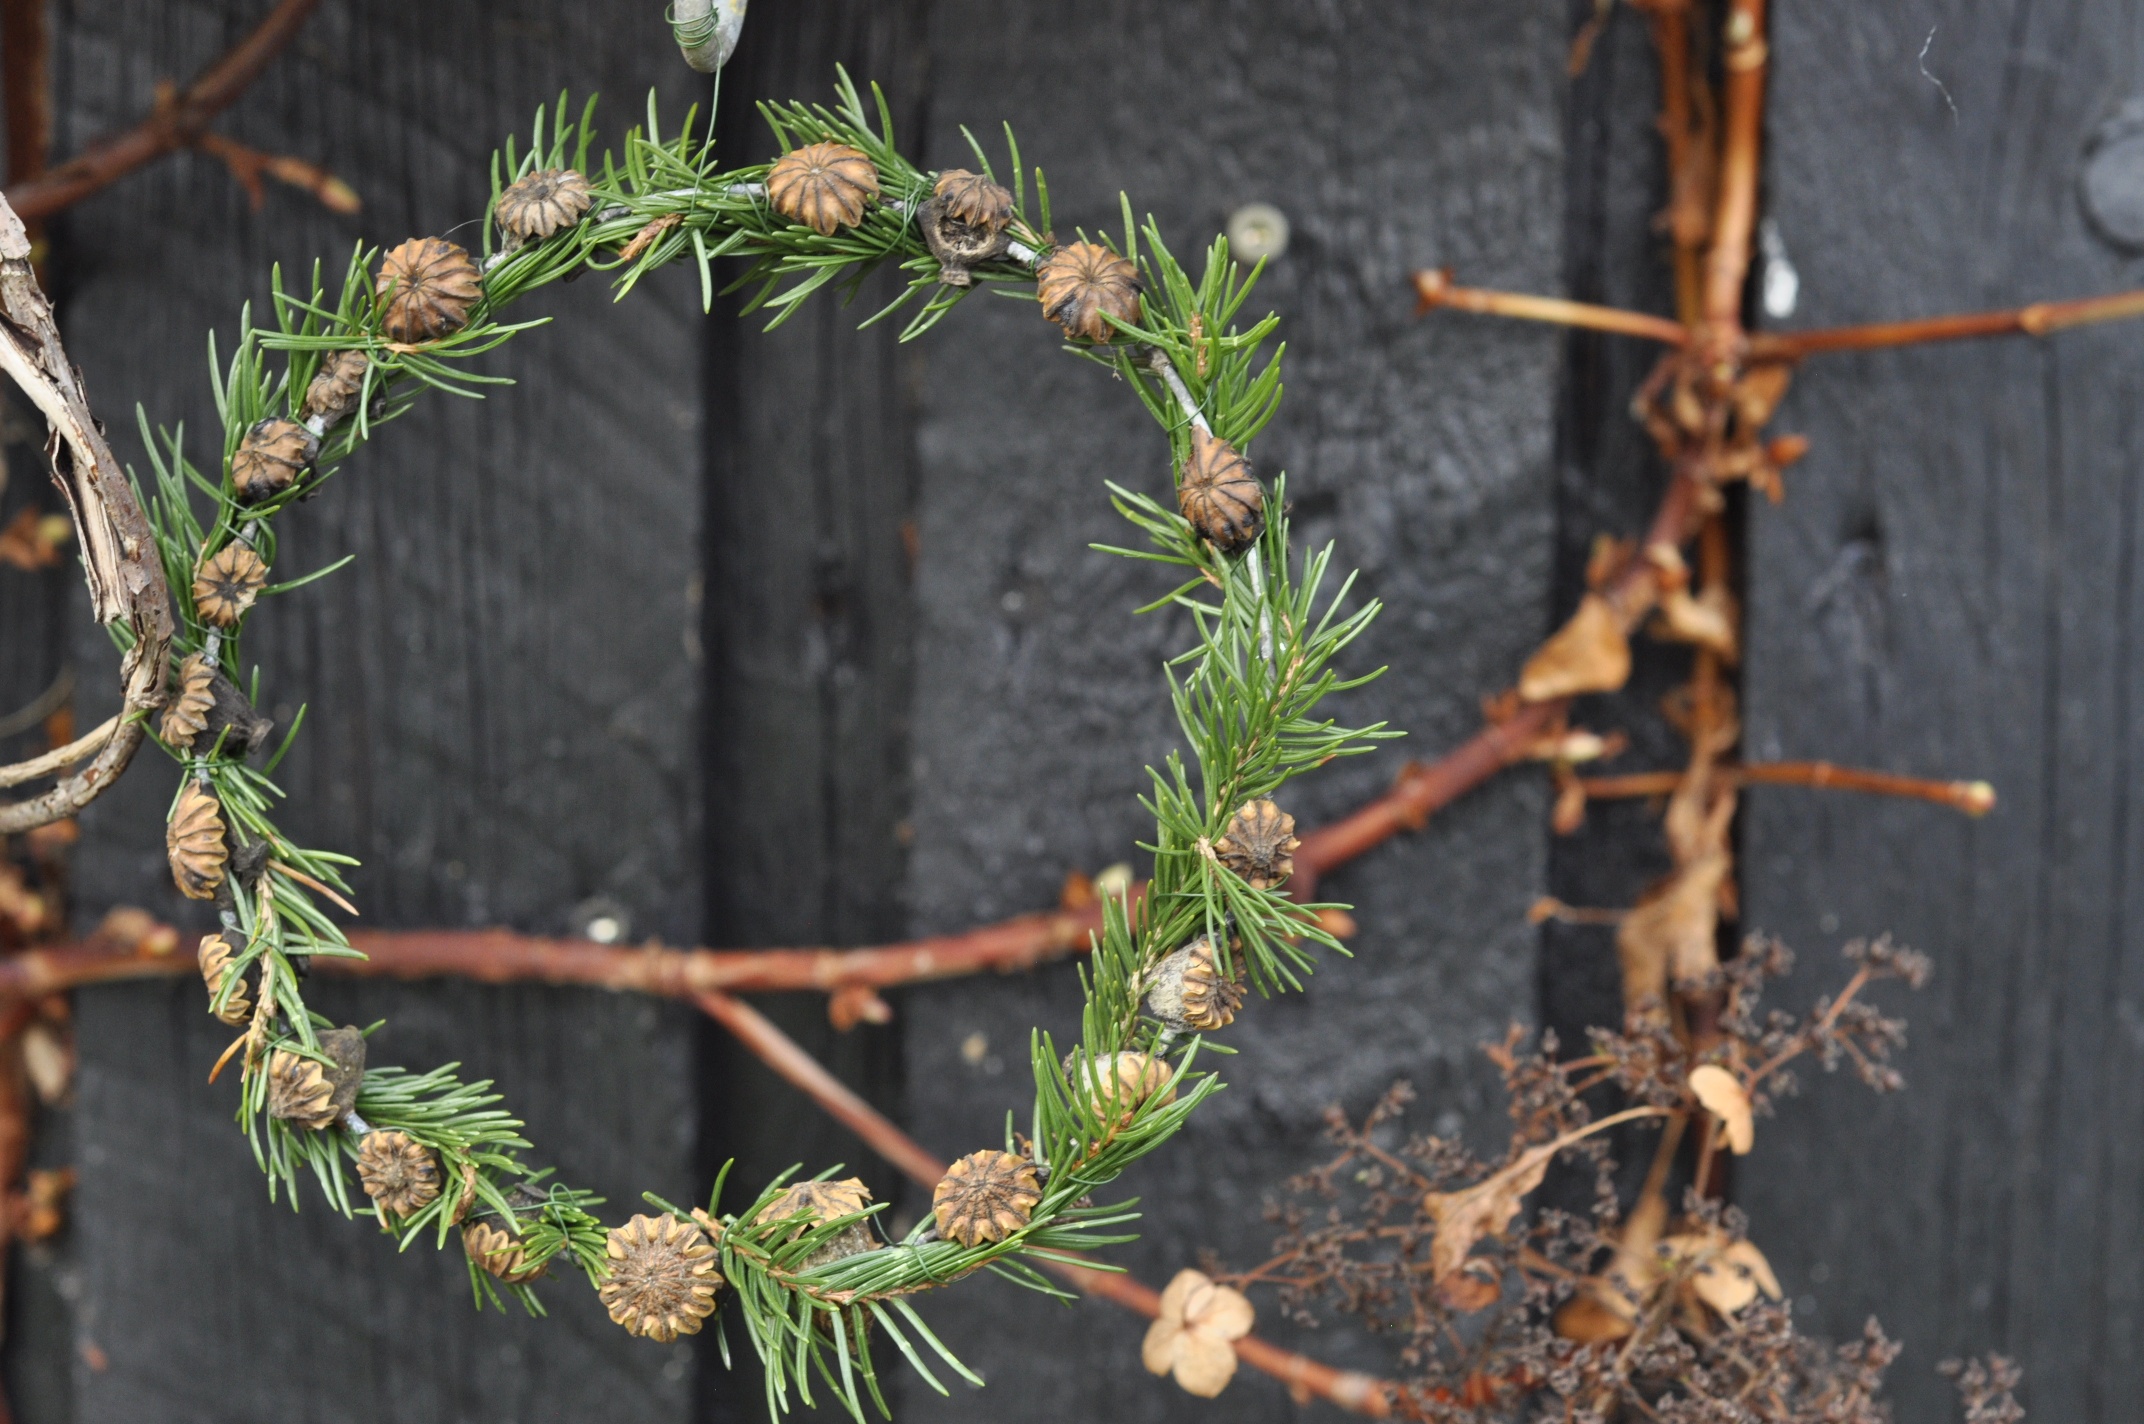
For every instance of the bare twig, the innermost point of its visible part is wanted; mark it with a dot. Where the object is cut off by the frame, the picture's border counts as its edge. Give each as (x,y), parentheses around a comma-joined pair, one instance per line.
(1975,798)
(1303,1376)
(249,165)
(58,757)
(181,123)
(2038,319)
(119,555)
(1434,288)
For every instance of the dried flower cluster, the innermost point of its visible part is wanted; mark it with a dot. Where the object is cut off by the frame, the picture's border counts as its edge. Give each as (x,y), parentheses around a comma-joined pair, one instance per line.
(1515,1311)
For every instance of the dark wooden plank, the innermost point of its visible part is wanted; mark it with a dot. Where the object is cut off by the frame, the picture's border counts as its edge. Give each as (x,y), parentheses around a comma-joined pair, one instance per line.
(504,703)
(1393,135)
(809,628)
(1950,590)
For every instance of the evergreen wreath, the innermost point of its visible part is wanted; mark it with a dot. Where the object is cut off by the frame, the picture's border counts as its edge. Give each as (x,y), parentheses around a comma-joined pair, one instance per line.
(803,1260)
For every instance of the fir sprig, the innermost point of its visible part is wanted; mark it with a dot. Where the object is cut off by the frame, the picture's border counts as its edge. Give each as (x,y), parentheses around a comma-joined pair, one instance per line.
(1268,628)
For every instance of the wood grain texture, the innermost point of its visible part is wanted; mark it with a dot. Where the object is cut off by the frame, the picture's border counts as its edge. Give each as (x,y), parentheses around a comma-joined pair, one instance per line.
(504,713)
(809,628)
(1394,134)
(1950,589)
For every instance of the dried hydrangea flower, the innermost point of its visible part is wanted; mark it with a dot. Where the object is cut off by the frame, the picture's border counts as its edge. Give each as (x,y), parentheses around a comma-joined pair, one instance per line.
(1193,1338)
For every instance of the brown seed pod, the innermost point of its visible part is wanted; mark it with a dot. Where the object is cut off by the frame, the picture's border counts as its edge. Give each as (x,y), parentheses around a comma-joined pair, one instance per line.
(964,224)
(1219,495)
(662,1280)
(337,383)
(1081,283)
(986,1196)
(207,709)
(215,959)
(540,204)
(498,1253)
(1189,992)
(825,1201)
(400,1174)
(194,842)
(1117,1085)
(310,1094)
(1260,844)
(271,457)
(227,583)
(426,288)
(186,713)
(824,186)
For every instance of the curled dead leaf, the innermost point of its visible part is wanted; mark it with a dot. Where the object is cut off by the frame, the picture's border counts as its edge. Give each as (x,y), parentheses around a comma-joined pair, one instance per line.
(1607,1307)
(1464,1217)
(1727,1274)
(1673,934)
(1707,619)
(1590,653)
(1726,1099)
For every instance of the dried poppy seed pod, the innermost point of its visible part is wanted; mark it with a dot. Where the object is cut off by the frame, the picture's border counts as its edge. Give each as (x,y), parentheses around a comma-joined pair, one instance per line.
(964,224)
(208,710)
(1083,283)
(1190,993)
(986,1196)
(426,288)
(310,1094)
(823,186)
(662,1280)
(1219,495)
(534,207)
(215,958)
(337,383)
(825,1201)
(399,1173)
(271,457)
(194,843)
(1116,1085)
(227,583)
(1260,844)
(498,1254)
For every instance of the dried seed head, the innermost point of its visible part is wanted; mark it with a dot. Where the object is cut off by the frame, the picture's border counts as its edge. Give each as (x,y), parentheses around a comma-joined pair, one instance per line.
(1189,992)
(426,288)
(964,224)
(498,1254)
(1260,844)
(207,710)
(186,714)
(215,958)
(825,1201)
(310,1094)
(227,583)
(1082,283)
(400,1174)
(986,1196)
(824,186)
(541,203)
(194,842)
(1219,495)
(662,1280)
(1117,1085)
(336,385)
(270,458)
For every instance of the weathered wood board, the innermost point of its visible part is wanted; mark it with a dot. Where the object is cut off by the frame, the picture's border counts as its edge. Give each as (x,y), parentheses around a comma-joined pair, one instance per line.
(1393,136)
(504,724)
(1950,590)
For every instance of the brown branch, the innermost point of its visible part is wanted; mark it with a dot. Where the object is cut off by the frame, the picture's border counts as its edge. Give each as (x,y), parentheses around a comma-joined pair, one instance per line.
(1975,798)
(1433,288)
(119,553)
(2038,319)
(1734,222)
(249,165)
(179,124)
(778,1051)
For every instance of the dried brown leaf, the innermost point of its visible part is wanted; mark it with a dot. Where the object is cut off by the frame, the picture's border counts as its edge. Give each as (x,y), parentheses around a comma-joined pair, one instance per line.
(1726,1099)
(1590,653)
